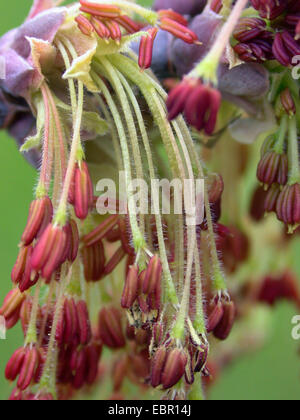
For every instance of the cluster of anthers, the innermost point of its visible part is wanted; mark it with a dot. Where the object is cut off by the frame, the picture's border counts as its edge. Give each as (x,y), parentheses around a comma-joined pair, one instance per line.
(148,288)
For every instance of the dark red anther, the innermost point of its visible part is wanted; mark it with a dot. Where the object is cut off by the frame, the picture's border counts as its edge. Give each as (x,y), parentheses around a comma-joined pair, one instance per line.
(271,198)
(78,365)
(224,327)
(114,261)
(146,49)
(215,315)
(93,355)
(152,276)
(288,206)
(11,307)
(83,191)
(67,330)
(93,258)
(47,254)
(285,48)
(249,29)
(28,278)
(273,168)
(110,328)
(40,215)
(270,9)
(101,231)
(157,366)
(199,102)
(130,292)
(174,368)
(15,364)
(84,325)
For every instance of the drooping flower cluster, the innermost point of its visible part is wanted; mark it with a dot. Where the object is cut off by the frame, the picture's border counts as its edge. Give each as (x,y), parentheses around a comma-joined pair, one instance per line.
(95,273)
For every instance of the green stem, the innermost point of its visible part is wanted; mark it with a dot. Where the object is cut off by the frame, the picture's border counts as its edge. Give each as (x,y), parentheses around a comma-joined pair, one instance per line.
(207,68)
(281,135)
(293,152)
(31,335)
(158,219)
(112,76)
(48,379)
(138,239)
(61,214)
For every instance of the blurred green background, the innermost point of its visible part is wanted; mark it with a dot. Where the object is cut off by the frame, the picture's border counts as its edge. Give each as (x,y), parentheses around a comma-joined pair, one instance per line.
(273,373)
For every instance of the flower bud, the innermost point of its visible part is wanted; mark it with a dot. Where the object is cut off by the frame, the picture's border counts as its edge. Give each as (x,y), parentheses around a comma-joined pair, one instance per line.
(199,102)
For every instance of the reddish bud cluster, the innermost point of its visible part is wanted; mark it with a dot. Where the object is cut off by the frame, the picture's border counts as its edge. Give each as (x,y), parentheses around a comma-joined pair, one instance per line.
(273,168)
(270,9)
(199,102)
(221,318)
(24,364)
(168,367)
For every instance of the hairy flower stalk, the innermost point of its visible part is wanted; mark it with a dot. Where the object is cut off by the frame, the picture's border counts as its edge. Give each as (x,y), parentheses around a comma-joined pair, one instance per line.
(145,282)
